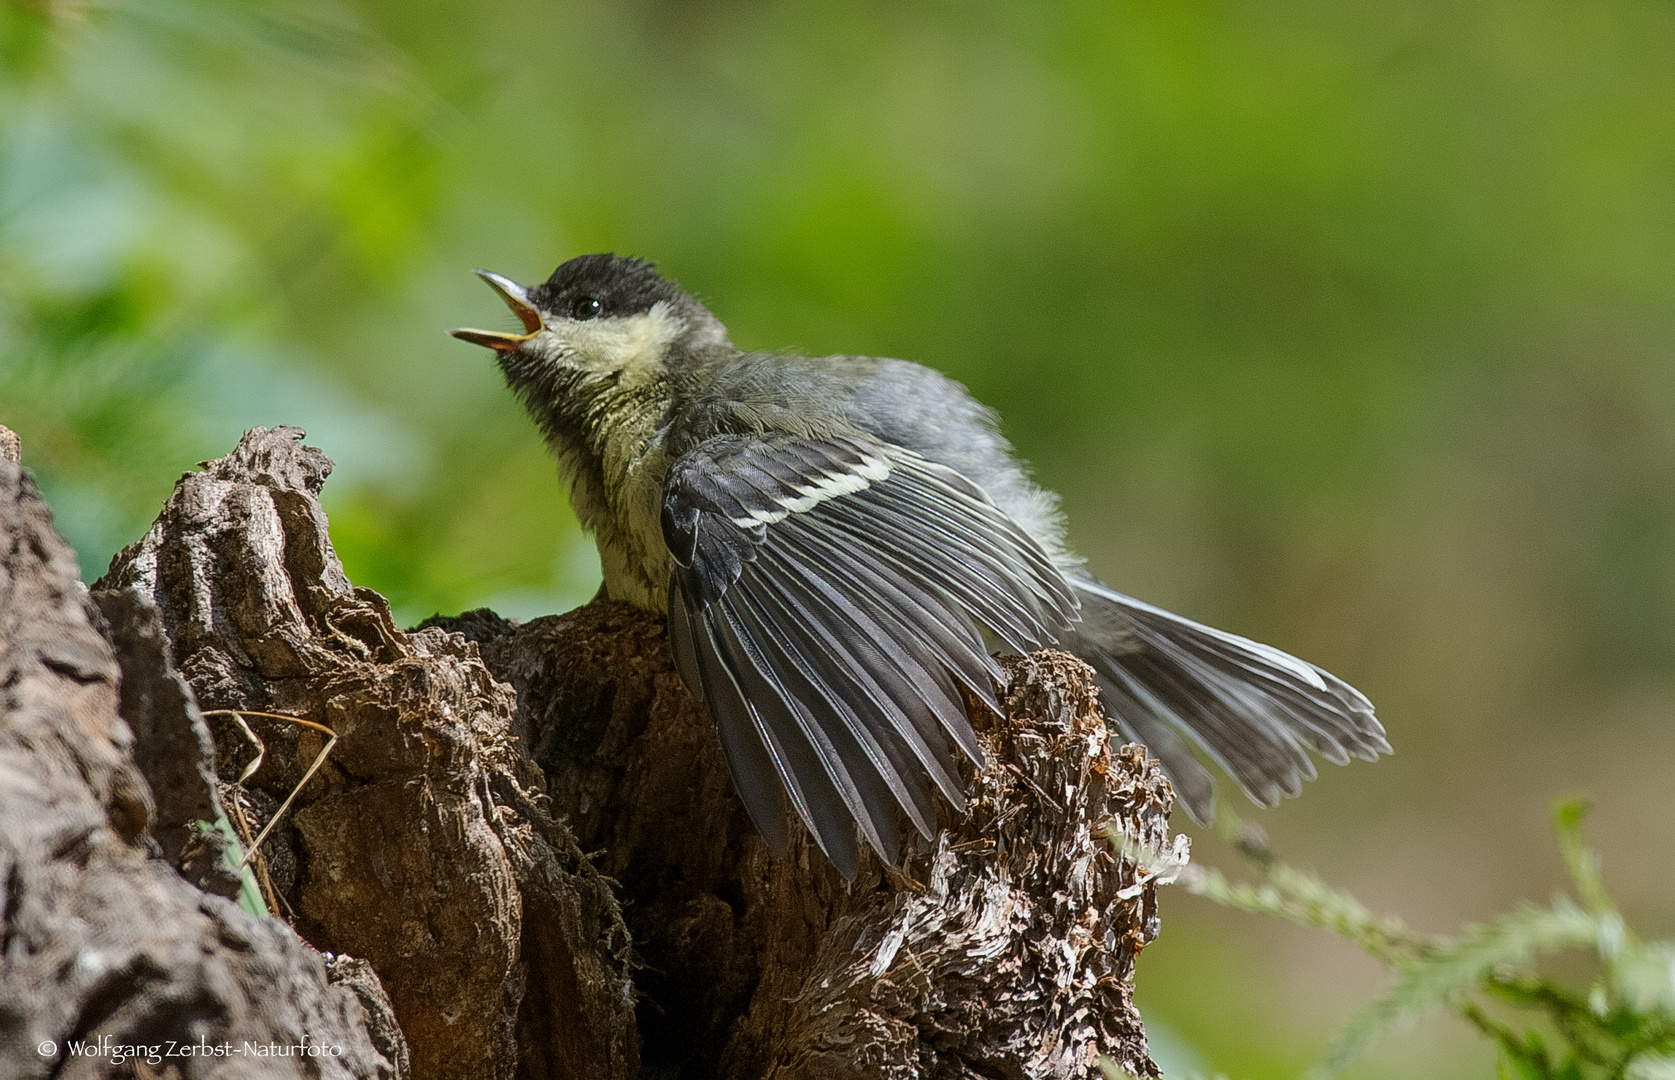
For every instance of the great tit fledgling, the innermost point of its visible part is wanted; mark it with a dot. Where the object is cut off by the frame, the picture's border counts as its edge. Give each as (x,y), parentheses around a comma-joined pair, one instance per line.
(832,537)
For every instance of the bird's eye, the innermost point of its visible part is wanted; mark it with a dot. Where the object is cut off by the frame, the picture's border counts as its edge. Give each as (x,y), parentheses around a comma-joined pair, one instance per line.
(586,307)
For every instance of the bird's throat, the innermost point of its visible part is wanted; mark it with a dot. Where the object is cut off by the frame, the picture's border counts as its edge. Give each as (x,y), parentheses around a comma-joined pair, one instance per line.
(616,471)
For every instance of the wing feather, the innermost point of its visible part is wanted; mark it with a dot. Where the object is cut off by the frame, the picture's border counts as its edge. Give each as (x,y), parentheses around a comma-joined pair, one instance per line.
(758,770)
(883,681)
(962,501)
(870,779)
(1014,619)
(925,610)
(813,768)
(826,601)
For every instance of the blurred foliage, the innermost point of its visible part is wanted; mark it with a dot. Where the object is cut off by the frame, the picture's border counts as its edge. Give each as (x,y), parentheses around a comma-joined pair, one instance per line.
(1622,1027)
(1345,326)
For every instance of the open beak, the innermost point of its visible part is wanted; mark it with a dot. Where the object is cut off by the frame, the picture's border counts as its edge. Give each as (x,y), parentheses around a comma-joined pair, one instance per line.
(518,300)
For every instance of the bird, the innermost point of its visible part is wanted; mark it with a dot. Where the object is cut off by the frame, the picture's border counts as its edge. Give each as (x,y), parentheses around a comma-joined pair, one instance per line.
(837,542)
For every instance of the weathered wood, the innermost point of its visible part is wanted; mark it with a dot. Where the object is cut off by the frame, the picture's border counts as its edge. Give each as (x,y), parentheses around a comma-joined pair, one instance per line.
(421,846)
(442,844)
(102,943)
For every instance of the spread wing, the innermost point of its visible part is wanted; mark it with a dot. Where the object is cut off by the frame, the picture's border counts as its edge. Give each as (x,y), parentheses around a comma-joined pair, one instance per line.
(825,603)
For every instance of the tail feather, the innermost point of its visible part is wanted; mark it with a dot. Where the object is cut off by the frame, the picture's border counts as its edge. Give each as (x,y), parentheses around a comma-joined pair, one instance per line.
(1253,710)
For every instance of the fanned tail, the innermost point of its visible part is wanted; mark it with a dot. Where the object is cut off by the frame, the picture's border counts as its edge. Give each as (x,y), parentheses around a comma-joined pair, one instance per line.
(1252,709)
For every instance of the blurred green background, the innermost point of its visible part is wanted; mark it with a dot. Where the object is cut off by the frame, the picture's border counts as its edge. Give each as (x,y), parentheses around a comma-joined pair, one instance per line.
(1348,327)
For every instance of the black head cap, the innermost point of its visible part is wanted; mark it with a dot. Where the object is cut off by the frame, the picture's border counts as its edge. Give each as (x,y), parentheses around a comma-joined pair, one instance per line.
(592,286)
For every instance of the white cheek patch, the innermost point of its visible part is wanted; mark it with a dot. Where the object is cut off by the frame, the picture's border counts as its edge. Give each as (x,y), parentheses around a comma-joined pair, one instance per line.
(830,485)
(628,345)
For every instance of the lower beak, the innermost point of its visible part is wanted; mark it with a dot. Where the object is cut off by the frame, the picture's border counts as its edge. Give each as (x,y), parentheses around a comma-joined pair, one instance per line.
(517,298)
(494,339)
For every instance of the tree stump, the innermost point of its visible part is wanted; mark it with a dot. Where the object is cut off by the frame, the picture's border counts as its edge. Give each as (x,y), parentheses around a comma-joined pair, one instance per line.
(527,836)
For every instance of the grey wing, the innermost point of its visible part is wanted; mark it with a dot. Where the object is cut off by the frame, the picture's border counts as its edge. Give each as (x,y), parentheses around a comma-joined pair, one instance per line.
(825,604)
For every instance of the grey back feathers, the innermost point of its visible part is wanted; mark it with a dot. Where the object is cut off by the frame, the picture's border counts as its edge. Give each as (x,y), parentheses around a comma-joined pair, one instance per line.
(838,533)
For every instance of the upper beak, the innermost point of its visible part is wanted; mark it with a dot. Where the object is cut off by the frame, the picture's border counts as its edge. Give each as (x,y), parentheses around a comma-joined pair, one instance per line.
(517,298)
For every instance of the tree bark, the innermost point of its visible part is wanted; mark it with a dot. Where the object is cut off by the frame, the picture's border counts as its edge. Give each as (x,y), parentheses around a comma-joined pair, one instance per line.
(527,835)
(103,942)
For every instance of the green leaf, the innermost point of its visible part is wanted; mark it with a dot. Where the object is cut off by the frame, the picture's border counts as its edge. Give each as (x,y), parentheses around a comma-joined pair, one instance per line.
(249,891)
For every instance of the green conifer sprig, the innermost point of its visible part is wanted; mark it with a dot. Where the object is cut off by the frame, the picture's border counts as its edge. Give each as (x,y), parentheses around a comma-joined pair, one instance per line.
(1621,1028)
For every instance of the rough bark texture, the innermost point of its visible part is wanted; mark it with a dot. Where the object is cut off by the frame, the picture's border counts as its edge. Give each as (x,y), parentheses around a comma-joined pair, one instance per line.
(419,844)
(442,844)
(101,941)
(173,749)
